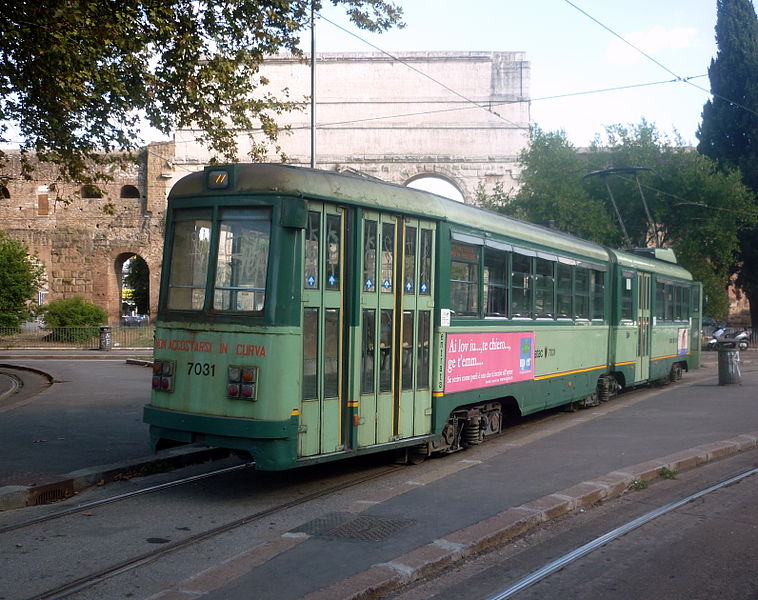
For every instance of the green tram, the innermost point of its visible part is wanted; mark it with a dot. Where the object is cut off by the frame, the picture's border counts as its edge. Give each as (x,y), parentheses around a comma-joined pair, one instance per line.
(307,316)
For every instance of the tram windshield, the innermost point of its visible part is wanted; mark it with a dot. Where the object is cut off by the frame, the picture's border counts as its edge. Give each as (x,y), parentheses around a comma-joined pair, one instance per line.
(240,260)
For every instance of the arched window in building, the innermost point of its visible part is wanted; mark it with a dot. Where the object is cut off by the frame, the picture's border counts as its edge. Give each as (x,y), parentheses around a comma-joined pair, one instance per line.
(4,193)
(91,191)
(129,191)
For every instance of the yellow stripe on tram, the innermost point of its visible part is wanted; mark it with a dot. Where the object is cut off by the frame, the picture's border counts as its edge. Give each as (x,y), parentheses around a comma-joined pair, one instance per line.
(563,373)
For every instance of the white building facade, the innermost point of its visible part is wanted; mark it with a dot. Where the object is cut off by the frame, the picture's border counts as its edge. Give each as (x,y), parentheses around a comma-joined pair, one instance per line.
(462,117)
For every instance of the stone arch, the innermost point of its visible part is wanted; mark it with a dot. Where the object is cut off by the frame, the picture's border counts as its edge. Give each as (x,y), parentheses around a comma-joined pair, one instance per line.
(125,303)
(90,191)
(129,191)
(4,193)
(439,183)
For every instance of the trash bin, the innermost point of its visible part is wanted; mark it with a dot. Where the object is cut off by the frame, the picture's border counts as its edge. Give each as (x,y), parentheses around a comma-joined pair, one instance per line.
(106,337)
(729,363)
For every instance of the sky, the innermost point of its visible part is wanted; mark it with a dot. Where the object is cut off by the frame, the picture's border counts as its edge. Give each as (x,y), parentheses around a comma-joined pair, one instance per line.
(569,53)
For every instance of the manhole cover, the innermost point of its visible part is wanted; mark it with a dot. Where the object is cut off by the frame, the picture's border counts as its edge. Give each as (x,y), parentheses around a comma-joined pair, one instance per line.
(367,528)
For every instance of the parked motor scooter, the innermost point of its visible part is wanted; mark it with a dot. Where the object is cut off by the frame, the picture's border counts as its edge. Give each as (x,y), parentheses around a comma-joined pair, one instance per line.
(741,337)
(716,336)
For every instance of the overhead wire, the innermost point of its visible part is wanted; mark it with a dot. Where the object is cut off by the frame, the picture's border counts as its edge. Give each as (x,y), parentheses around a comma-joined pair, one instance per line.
(686,80)
(501,103)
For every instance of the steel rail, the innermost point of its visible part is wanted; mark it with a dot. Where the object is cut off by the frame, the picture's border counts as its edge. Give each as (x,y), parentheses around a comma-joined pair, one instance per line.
(117,498)
(88,581)
(582,551)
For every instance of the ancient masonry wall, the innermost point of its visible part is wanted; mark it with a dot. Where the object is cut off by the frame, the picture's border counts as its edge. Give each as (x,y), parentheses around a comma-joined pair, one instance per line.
(83,242)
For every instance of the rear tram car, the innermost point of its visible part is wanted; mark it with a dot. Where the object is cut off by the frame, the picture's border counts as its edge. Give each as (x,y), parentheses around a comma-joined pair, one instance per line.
(308,316)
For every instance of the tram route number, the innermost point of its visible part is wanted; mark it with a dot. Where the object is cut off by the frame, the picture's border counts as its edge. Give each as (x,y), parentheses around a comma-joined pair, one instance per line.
(204,369)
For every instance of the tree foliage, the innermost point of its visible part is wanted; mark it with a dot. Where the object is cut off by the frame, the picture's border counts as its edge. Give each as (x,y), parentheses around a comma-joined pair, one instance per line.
(695,207)
(138,278)
(77,77)
(729,129)
(21,277)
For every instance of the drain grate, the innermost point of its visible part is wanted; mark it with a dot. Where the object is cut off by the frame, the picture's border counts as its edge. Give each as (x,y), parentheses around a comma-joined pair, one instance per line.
(47,494)
(367,528)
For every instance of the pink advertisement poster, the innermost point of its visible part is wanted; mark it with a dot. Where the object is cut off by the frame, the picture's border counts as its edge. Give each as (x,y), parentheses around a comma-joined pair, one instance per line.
(475,360)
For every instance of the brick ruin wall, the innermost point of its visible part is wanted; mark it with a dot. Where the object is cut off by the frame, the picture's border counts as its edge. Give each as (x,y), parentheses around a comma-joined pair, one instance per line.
(83,242)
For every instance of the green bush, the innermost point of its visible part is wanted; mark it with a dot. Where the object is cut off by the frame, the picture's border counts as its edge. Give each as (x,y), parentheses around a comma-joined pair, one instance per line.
(73,319)
(73,312)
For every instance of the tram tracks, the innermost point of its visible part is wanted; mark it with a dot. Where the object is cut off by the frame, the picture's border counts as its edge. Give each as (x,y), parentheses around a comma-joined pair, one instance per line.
(567,559)
(119,497)
(85,582)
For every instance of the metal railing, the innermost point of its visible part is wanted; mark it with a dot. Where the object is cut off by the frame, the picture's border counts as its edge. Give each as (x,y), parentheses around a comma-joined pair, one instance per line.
(32,337)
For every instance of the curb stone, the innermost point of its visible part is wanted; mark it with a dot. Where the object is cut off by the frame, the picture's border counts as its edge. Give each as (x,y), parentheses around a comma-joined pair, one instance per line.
(16,496)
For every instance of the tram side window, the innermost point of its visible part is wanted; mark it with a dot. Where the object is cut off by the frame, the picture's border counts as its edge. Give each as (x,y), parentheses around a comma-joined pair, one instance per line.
(582,293)
(369,256)
(521,286)
(544,288)
(565,292)
(496,283)
(333,251)
(684,303)
(422,373)
(310,353)
(597,281)
(368,348)
(464,280)
(409,262)
(660,301)
(332,352)
(388,257)
(425,263)
(312,250)
(626,298)
(190,251)
(695,299)
(242,262)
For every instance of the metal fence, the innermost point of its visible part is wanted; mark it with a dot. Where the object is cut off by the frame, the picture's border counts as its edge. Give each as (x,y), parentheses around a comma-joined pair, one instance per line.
(32,337)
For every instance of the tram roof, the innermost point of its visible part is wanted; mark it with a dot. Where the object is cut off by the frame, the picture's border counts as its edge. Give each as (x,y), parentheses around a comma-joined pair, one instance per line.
(279,179)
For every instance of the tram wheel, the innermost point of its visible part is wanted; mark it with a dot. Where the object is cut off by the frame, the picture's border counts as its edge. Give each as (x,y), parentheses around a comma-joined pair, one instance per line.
(417,454)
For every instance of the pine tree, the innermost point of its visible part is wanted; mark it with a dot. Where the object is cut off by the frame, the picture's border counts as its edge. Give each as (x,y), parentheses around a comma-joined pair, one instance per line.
(729,130)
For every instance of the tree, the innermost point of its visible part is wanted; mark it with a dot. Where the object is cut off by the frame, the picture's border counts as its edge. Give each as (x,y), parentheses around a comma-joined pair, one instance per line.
(77,77)
(138,278)
(695,207)
(553,193)
(729,129)
(21,277)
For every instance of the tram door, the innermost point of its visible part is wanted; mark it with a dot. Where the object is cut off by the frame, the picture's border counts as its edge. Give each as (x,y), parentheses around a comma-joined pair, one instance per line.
(321,409)
(642,370)
(396,304)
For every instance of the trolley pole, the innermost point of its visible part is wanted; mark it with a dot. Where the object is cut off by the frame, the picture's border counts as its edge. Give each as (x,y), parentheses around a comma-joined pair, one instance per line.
(313,87)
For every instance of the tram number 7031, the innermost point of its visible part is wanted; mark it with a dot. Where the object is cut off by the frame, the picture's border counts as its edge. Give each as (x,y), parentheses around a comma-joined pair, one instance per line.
(204,369)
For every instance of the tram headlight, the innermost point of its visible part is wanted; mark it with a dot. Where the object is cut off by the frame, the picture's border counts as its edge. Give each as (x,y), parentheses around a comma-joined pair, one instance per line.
(242,383)
(163,375)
